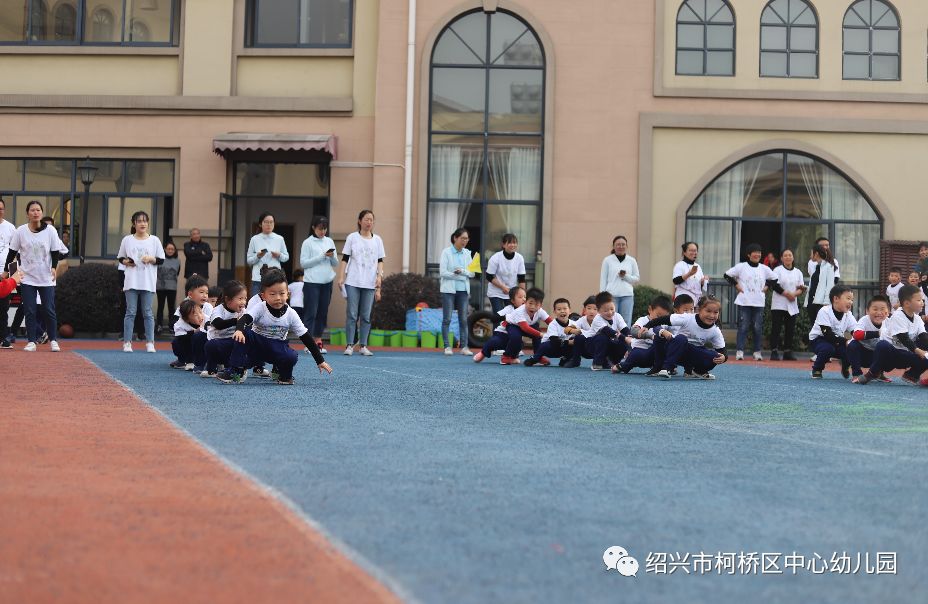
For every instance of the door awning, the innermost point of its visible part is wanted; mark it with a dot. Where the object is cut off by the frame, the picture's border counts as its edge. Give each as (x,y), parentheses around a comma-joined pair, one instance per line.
(224,144)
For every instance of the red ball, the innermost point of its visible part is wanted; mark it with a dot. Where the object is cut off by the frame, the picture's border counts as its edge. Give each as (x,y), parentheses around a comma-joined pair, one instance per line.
(66,331)
(859,334)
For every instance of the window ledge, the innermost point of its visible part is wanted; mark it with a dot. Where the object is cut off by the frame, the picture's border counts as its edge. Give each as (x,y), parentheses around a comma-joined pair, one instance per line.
(295,52)
(61,49)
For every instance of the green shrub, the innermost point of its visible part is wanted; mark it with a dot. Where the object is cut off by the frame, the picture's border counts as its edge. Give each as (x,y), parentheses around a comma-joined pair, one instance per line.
(399,293)
(643,296)
(89,298)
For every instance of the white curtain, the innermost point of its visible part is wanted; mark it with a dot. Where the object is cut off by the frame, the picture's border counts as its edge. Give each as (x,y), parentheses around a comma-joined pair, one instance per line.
(515,173)
(454,174)
(813,177)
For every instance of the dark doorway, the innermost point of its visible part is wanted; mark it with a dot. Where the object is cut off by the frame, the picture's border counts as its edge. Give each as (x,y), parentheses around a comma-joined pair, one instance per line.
(768,234)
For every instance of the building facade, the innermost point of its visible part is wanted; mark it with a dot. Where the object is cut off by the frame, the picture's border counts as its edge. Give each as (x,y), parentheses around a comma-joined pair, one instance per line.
(567,123)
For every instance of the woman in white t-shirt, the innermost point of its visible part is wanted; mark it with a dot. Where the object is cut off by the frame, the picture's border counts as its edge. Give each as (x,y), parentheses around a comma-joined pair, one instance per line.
(361,273)
(39,250)
(505,270)
(141,253)
(784,306)
(688,277)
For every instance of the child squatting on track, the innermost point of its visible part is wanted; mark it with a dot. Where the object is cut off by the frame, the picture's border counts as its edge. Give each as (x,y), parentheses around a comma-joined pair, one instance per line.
(903,342)
(261,335)
(521,321)
(190,327)
(698,344)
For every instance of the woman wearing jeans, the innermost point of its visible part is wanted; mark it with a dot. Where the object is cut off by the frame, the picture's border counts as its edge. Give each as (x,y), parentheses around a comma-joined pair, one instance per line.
(361,272)
(455,287)
(141,253)
(319,259)
(618,276)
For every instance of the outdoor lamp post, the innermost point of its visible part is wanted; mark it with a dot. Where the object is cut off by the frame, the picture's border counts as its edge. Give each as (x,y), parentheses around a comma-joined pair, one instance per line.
(87,172)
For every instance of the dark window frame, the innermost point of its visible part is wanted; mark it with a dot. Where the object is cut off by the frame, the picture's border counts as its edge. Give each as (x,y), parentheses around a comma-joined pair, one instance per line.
(705,22)
(871,53)
(251,30)
(788,24)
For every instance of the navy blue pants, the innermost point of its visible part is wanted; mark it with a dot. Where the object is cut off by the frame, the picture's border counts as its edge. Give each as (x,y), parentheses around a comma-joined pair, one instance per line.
(190,348)
(498,341)
(825,350)
(638,357)
(583,347)
(887,357)
(218,352)
(258,349)
(551,348)
(606,348)
(681,352)
(859,357)
(514,344)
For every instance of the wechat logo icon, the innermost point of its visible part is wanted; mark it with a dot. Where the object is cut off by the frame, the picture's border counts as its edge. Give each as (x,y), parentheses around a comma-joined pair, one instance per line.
(617,558)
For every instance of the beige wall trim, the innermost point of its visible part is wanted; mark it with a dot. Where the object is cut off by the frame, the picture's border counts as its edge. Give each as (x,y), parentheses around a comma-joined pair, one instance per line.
(295,52)
(40,103)
(108,51)
(648,122)
(422,168)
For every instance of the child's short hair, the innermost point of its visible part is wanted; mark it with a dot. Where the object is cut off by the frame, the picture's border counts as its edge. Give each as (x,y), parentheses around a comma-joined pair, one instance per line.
(837,291)
(195,282)
(879,298)
(298,273)
(753,247)
(682,299)
(535,294)
(907,292)
(510,238)
(661,302)
(589,300)
(215,292)
(272,277)
(923,244)
(232,289)
(561,301)
(513,291)
(895,269)
(186,309)
(265,268)
(603,298)
(706,301)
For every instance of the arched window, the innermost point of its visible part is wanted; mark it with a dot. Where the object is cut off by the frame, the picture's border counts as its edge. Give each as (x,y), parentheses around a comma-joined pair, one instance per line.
(486,120)
(38,20)
(138,31)
(783,199)
(103,26)
(789,40)
(871,41)
(705,38)
(65,23)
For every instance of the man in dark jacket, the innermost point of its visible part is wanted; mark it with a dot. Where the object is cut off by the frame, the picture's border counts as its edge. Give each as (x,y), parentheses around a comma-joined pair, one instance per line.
(198,255)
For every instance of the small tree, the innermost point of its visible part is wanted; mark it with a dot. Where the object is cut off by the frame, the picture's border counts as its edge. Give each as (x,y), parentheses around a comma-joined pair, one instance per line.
(88,298)
(399,293)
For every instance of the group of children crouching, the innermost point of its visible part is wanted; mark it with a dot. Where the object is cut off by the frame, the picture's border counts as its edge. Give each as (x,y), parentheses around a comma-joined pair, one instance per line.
(224,340)
(681,334)
(667,337)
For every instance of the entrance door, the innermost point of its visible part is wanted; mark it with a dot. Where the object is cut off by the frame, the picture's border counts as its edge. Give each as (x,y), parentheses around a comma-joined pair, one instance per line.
(767,234)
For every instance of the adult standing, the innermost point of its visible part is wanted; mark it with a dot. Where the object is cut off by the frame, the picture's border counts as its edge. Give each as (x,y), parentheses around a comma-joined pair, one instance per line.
(618,276)
(688,277)
(784,305)
(141,253)
(455,287)
(166,284)
(267,248)
(39,250)
(197,255)
(825,245)
(824,274)
(361,273)
(318,258)
(505,270)
(7,230)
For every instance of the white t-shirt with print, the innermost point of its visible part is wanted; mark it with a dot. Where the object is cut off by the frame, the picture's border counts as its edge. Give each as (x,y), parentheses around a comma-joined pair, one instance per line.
(521,314)
(296,294)
(276,328)
(826,317)
(35,254)
(696,334)
(181,327)
(899,323)
(362,262)
(556,330)
(865,324)
(752,280)
(789,280)
(141,277)
(506,270)
(7,230)
(221,312)
(617,324)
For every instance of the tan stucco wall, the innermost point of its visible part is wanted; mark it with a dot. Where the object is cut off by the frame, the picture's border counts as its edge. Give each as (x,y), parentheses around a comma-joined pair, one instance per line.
(295,76)
(83,74)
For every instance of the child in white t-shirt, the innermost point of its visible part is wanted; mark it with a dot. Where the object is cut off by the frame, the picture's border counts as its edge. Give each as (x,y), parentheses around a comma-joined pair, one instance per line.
(751,279)
(557,339)
(641,353)
(903,342)
(827,336)
(296,293)
(500,338)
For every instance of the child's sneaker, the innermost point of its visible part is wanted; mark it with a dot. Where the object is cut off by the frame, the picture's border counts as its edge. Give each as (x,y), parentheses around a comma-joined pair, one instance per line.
(479,357)
(127,346)
(198,369)
(739,355)
(544,361)
(509,360)
(30,347)
(150,347)
(189,367)
(177,365)
(231,376)
(652,372)
(530,362)
(365,352)
(570,364)
(923,381)
(845,369)
(281,382)
(260,372)
(43,338)
(864,379)
(817,375)
(349,350)
(758,356)
(695,375)
(207,374)
(275,376)
(882,378)
(663,373)
(596,368)
(55,346)
(6,344)
(910,377)
(466,352)
(448,351)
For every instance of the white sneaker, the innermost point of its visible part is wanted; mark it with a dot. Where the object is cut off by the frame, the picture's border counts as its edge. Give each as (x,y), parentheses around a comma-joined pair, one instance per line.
(663,373)
(365,352)
(150,347)
(305,350)
(349,351)
(323,350)
(467,352)
(448,352)
(30,347)
(739,355)
(188,367)
(758,356)
(55,346)
(127,346)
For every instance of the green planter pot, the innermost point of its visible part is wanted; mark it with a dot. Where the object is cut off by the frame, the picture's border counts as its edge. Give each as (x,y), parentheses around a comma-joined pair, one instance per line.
(395,339)
(410,339)
(337,337)
(429,339)
(377,337)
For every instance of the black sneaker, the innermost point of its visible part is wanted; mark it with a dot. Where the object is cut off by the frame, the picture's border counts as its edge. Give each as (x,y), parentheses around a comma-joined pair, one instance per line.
(673,372)
(43,339)
(231,376)
(570,364)
(817,375)
(911,377)
(281,382)
(774,355)
(6,345)
(845,369)
(562,361)
(530,361)
(652,371)
(178,365)
(788,356)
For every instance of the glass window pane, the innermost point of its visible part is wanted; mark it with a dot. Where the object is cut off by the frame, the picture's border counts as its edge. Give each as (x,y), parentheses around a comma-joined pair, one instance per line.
(800,13)
(720,63)
(690,36)
(325,22)
(854,245)
(804,183)
(504,31)
(688,12)
(514,168)
(746,183)
(119,212)
(108,178)
(11,174)
(456,170)
(802,38)
(450,49)
(803,65)
(715,244)
(773,64)
(857,40)
(720,36)
(858,14)
(443,219)
(885,67)
(762,186)
(458,99)
(718,12)
(103,21)
(856,67)
(775,13)
(65,23)
(883,16)
(150,176)
(841,200)
(516,99)
(885,40)
(472,29)
(524,52)
(277,22)
(51,206)
(522,220)
(773,38)
(689,62)
(12,20)
(94,227)
(800,237)
(148,21)
(48,175)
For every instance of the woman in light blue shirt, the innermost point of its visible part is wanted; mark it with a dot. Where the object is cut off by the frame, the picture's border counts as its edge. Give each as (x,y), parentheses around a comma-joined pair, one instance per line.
(267,247)
(455,287)
(319,259)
